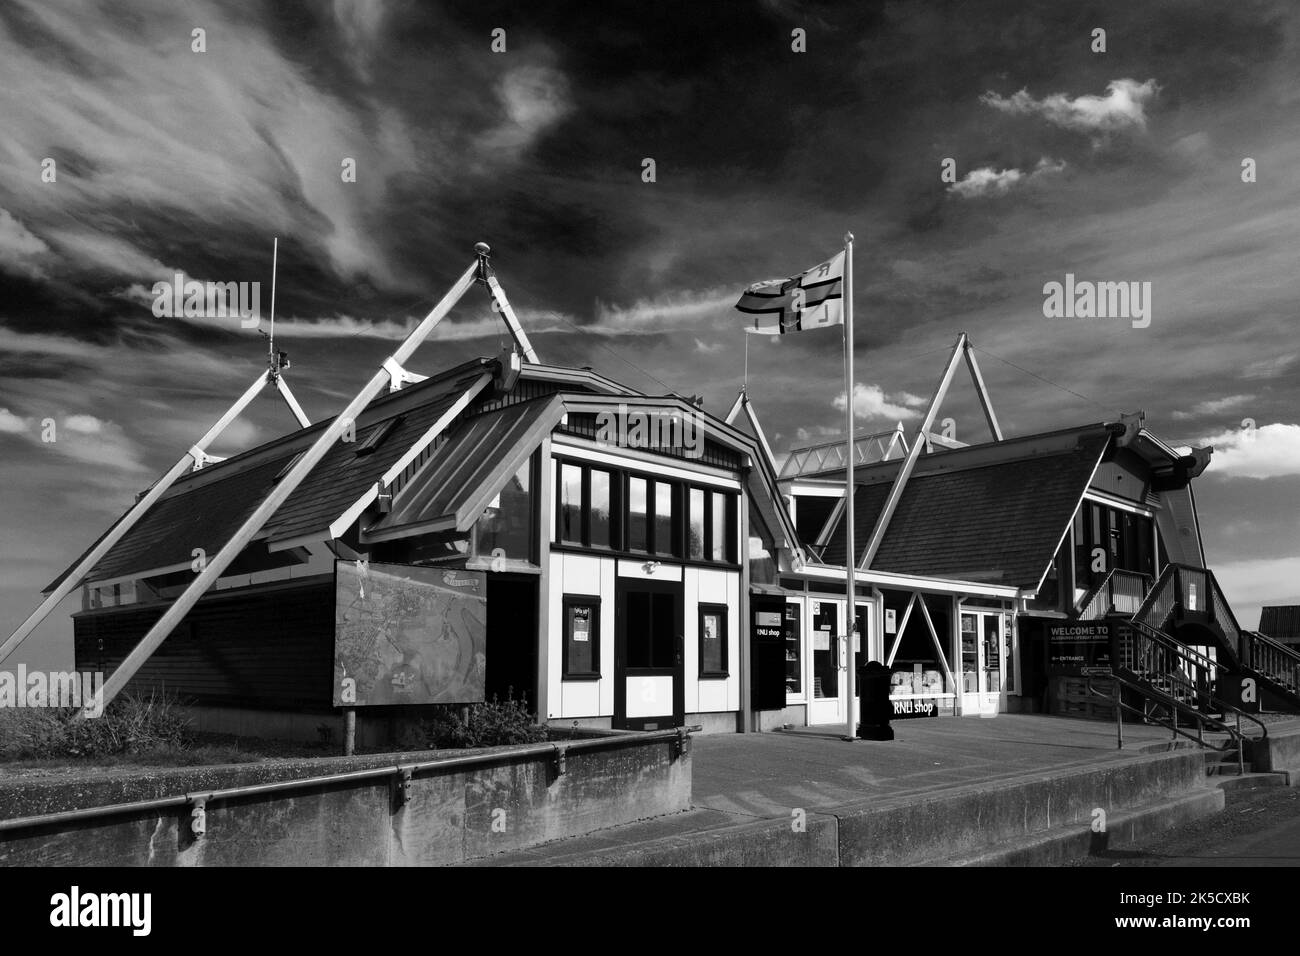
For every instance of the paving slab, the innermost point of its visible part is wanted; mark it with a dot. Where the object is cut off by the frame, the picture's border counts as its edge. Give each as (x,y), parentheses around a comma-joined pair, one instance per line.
(764,775)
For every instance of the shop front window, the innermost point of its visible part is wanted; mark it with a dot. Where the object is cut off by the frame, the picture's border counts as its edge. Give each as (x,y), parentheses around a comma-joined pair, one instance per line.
(793,649)
(918,658)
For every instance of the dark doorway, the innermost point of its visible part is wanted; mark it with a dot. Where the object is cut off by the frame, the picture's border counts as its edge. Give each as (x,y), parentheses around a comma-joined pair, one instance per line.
(649,644)
(512,638)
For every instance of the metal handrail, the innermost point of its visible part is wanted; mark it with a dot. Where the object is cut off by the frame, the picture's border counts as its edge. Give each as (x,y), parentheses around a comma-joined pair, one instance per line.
(1154,601)
(1273,660)
(1176,707)
(1102,599)
(557,749)
(1189,655)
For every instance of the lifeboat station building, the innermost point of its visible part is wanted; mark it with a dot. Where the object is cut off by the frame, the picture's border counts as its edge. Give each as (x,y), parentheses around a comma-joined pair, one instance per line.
(640,563)
(617,534)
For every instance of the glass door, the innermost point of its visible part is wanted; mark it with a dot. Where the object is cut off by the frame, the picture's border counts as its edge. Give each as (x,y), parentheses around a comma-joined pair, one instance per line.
(993,647)
(825,706)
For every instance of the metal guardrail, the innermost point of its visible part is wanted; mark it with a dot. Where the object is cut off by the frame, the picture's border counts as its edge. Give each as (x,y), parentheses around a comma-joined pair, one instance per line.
(1175,707)
(1192,590)
(401,772)
(1119,592)
(1273,660)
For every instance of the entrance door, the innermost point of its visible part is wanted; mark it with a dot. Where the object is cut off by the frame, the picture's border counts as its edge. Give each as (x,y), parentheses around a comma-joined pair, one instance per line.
(825,705)
(993,647)
(830,659)
(649,648)
(512,638)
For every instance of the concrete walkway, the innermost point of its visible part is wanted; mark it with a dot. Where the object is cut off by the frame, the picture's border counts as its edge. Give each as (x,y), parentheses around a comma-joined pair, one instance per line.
(748,780)
(765,775)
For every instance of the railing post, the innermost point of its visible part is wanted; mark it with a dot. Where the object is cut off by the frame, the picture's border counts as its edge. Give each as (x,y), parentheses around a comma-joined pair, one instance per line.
(1119,715)
(1241,760)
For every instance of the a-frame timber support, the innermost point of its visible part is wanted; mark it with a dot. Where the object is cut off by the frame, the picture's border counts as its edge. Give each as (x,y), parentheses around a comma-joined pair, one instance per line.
(961,350)
(390,370)
(192,460)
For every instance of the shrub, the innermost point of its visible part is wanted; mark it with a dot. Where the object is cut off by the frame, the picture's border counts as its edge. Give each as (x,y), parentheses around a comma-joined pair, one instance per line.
(130,724)
(494,723)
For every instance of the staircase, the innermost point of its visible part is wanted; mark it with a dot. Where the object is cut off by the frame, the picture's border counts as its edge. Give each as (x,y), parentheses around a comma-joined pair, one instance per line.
(1274,666)
(1189,595)
(1163,681)
(1120,592)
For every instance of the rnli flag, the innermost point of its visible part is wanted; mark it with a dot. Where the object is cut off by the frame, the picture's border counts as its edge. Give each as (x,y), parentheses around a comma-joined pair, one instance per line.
(810,300)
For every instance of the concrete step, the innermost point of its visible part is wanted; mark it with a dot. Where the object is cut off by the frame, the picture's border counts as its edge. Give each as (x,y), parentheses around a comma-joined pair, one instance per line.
(976,821)
(1122,828)
(1249,781)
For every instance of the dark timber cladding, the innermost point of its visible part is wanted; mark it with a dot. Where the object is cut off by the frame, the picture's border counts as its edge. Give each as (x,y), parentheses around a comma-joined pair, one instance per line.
(269,646)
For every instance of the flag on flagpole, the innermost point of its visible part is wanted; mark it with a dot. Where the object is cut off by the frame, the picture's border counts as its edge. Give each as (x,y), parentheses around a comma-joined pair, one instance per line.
(810,300)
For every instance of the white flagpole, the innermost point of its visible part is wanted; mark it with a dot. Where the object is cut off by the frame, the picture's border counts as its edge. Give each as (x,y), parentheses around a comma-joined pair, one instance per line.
(850,560)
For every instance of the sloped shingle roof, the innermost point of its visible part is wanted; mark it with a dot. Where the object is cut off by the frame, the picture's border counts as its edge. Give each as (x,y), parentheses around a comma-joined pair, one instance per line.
(996,523)
(203,509)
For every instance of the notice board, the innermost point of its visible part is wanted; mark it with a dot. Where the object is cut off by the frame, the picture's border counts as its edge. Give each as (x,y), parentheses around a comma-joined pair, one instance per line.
(408,635)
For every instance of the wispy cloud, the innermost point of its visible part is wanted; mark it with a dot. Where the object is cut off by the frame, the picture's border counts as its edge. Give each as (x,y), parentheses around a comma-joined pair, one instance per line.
(987,181)
(1212,406)
(871,402)
(1123,107)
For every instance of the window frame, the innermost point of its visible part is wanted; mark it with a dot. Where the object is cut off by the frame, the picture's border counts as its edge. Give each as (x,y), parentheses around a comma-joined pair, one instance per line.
(677,549)
(580,600)
(724,634)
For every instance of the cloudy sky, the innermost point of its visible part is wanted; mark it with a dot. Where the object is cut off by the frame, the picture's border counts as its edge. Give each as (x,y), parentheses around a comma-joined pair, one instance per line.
(977,150)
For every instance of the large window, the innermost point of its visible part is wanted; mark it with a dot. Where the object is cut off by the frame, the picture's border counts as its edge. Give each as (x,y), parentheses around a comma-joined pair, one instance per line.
(666,535)
(506,527)
(695,527)
(599,509)
(581,637)
(570,511)
(625,511)
(638,515)
(1108,538)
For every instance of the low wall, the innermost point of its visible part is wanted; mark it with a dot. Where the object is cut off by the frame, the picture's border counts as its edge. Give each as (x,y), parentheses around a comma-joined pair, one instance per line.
(967,819)
(448,812)
(1279,751)
(994,822)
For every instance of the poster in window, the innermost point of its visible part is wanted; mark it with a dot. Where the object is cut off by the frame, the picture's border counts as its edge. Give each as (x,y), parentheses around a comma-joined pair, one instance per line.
(408,635)
(713,635)
(581,623)
(580,637)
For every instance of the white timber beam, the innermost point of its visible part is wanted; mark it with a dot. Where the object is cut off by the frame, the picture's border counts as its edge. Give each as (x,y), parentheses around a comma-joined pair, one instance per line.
(278,495)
